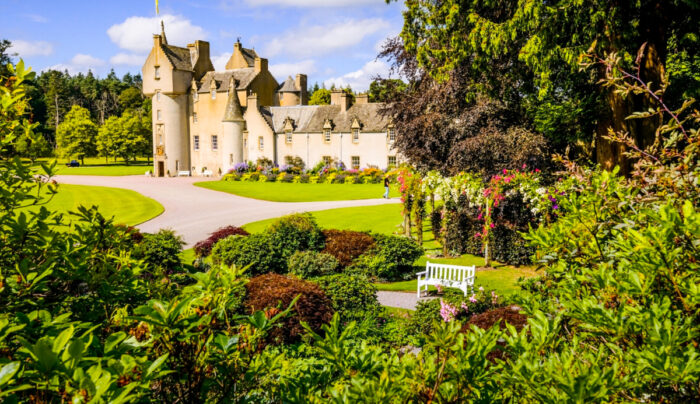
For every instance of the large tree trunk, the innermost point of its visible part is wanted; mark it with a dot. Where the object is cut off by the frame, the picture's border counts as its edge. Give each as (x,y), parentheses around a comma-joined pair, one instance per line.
(642,131)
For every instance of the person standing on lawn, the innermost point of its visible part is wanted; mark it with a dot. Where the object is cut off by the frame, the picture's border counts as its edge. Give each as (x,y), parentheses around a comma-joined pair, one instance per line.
(386,187)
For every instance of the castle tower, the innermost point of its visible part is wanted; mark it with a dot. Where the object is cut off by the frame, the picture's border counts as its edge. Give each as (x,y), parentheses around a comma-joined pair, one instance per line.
(233,126)
(167,75)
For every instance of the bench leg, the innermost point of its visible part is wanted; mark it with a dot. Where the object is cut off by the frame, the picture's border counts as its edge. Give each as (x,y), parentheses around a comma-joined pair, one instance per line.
(419,291)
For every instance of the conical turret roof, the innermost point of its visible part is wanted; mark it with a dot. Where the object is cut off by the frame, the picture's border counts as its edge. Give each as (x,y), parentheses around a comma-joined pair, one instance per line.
(288,86)
(233,108)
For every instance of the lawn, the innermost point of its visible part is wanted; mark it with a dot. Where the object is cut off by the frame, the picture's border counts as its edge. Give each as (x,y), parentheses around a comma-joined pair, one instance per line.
(294,192)
(98,166)
(127,207)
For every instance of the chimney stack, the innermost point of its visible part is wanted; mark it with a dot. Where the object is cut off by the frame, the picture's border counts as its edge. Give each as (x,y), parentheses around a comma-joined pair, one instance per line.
(300,83)
(260,64)
(340,97)
(362,98)
(252,101)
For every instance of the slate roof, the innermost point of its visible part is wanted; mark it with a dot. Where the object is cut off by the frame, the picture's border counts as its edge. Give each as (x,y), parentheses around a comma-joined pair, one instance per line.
(243,78)
(249,55)
(233,111)
(178,57)
(288,86)
(310,118)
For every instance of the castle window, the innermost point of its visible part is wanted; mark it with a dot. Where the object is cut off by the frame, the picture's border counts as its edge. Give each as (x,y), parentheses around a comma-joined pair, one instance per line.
(214,142)
(261,144)
(195,95)
(213,93)
(391,135)
(391,162)
(157,95)
(156,72)
(159,115)
(194,117)
(355,162)
(356,136)
(196,142)
(327,135)
(288,136)
(327,160)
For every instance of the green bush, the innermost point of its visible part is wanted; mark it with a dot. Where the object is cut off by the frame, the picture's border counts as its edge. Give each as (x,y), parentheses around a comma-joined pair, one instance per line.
(354,297)
(161,251)
(310,264)
(293,233)
(257,251)
(391,258)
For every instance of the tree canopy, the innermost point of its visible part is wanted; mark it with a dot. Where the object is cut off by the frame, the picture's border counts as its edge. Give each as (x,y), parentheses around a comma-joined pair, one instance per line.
(75,136)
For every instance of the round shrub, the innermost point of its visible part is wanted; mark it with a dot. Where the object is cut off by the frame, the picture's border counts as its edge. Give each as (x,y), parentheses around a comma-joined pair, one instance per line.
(297,232)
(354,297)
(391,259)
(272,292)
(203,248)
(257,250)
(161,251)
(346,245)
(309,264)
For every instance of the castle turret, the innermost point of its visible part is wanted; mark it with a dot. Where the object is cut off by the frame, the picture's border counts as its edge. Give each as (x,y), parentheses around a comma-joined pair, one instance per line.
(233,126)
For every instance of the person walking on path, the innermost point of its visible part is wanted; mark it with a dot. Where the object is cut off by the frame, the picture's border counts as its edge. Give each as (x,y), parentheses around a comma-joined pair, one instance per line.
(386,187)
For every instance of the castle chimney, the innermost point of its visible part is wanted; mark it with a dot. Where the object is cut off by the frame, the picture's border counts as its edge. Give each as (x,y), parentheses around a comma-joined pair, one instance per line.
(260,64)
(157,41)
(252,101)
(340,97)
(300,83)
(362,98)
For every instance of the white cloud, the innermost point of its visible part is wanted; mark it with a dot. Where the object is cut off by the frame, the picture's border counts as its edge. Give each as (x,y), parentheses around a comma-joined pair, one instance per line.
(135,34)
(80,63)
(282,70)
(127,59)
(219,61)
(29,48)
(311,3)
(359,80)
(36,18)
(320,39)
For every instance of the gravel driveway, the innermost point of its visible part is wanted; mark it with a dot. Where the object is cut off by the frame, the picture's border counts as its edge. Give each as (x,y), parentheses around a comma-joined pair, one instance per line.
(195,212)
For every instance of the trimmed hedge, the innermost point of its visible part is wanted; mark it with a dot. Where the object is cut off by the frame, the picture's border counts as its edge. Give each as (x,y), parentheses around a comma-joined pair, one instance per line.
(354,297)
(391,258)
(346,245)
(257,250)
(273,292)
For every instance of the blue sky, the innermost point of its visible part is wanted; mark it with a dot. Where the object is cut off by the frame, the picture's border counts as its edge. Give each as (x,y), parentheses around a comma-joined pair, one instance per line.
(333,41)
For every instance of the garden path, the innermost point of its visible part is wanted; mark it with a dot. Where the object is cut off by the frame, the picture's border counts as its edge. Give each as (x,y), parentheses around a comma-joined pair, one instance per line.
(195,212)
(403,300)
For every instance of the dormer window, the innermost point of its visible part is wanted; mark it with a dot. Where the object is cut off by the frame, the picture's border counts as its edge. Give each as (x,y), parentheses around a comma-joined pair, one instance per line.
(327,135)
(194,117)
(213,93)
(195,96)
(356,136)
(288,136)
(156,72)
(288,129)
(391,134)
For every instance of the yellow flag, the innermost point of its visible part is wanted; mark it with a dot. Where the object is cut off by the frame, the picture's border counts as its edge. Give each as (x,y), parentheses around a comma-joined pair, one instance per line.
(157,7)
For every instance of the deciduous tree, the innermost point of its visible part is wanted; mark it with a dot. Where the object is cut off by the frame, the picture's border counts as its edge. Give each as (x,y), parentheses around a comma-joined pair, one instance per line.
(75,136)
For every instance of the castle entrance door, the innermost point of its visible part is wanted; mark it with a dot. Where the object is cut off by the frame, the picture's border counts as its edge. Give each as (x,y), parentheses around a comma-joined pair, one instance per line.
(161,169)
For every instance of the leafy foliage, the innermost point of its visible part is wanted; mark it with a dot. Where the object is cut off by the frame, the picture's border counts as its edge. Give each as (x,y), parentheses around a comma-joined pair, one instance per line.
(310,264)
(346,245)
(204,247)
(354,298)
(75,136)
(161,251)
(257,252)
(392,258)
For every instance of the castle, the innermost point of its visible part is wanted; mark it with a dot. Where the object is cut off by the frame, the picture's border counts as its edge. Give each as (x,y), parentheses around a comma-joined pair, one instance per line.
(205,122)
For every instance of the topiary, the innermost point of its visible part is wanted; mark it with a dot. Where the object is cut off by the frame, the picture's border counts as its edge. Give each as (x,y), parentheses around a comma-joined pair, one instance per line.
(203,248)
(354,297)
(309,264)
(273,292)
(346,245)
(257,251)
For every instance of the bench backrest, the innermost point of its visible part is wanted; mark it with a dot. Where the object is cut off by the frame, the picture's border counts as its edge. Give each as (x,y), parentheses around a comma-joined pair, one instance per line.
(455,273)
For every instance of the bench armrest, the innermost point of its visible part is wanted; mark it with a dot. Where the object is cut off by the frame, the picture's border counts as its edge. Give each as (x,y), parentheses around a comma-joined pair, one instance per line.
(422,273)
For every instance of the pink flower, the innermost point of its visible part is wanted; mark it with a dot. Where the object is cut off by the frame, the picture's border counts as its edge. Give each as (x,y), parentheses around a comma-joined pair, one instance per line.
(472,299)
(481,288)
(477,235)
(505,171)
(537,170)
(479,217)
(439,288)
(492,225)
(465,307)
(524,165)
(447,311)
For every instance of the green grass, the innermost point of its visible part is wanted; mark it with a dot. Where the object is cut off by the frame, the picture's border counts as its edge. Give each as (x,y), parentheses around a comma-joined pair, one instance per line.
(127,207)
(98,166)
(378,219)
(293,192)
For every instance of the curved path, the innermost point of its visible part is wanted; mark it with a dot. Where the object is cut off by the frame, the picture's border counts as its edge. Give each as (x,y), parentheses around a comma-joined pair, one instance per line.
(195,212)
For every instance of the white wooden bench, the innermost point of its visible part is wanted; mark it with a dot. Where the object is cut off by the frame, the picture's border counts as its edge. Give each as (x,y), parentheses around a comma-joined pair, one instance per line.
(183,173)
(451,276)
(207,173)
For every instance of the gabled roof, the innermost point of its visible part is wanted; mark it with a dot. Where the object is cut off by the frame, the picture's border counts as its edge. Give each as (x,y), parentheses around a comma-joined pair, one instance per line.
(249,55)
(243,78)
(289,86)
(178,57)
(311,118)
